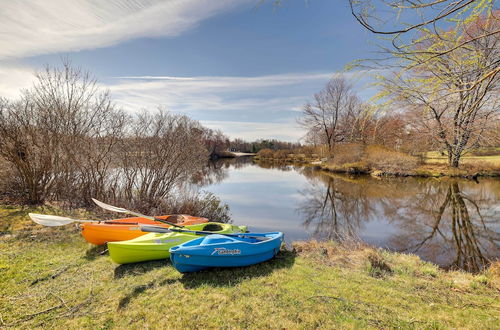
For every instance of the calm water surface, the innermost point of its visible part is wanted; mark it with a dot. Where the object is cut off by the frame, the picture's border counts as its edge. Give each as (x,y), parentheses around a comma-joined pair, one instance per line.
(454,223)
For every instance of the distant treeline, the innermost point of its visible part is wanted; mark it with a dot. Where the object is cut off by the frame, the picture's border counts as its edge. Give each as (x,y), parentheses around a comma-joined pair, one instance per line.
(220,145)
(256,146)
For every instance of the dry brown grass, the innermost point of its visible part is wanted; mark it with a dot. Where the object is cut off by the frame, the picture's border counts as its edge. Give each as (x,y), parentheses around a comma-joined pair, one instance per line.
(351,255)
(281,154)
(348,153)
(490,151)
(265,153)
(381,263)
(481,166)
(384,159)
(357,158)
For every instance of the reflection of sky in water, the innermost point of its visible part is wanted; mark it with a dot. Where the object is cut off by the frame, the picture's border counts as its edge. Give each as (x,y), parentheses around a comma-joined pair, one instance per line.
(271,200)
(264,199)
(268,200)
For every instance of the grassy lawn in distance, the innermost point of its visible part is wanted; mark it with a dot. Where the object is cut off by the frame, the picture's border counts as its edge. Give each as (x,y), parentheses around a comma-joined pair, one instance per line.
(50,277)
(436,157)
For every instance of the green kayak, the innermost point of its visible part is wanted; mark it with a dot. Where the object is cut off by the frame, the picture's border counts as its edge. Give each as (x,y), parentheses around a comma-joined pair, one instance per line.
(154,246)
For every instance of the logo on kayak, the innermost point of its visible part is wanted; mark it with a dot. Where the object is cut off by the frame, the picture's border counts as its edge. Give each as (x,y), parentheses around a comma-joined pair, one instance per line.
(224,251)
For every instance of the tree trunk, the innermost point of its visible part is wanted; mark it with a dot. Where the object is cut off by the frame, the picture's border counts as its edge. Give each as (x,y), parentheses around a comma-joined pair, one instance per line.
(455,160)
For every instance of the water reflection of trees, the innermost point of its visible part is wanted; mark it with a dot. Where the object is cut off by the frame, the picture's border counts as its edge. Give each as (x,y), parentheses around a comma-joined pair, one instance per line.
(453,223)
(333,209)
(218,170)
(446,224)
(278,166)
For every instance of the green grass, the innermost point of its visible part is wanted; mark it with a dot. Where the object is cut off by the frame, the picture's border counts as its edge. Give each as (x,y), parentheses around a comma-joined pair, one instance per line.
(436,157)
(50,277)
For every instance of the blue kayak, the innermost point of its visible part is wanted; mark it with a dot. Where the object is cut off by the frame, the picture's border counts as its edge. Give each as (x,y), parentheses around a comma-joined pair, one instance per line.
(225,251)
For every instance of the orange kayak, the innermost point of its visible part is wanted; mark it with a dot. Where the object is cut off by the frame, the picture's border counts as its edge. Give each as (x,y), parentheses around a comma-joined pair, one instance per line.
(99,233)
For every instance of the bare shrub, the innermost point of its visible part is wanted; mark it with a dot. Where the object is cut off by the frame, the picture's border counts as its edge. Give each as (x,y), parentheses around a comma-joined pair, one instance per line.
(281,154)
(216,143)
(57,135)
(162,152)
(203,204)
(8,181)
(266,153)
(307,150)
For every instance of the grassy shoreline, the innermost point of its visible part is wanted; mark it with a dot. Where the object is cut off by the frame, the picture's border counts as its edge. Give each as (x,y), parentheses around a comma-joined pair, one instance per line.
(427,170)
(52,277)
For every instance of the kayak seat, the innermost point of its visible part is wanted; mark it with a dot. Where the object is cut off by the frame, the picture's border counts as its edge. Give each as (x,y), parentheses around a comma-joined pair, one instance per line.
(176,218)
(212,227)
(216,239)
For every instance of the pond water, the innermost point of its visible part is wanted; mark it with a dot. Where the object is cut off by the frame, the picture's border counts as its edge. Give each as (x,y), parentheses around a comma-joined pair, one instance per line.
(453,223)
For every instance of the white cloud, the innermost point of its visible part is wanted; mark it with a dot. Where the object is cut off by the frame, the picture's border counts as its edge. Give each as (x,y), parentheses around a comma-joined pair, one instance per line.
(250,131)
(241,82)
(283,92)
(14,78)
(33,27)
(246,107)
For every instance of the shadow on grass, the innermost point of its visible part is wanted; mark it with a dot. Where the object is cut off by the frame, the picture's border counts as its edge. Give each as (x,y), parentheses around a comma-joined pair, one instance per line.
(141,289)
(13,218)
(95,252)
(138,268)
(19,213)
(220,277)
(217,277)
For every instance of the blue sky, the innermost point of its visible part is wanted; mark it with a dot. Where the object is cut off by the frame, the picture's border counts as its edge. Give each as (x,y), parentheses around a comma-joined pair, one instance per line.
(238,65)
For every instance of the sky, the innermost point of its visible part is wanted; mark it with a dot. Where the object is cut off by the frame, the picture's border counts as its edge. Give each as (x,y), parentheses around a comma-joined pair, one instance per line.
(243,66)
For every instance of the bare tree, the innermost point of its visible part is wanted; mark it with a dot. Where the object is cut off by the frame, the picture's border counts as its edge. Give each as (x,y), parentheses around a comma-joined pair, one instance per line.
(330,109)
(456,97)
(405,20)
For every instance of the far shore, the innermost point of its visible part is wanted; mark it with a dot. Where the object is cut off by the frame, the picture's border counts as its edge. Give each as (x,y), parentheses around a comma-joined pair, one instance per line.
(429,169)
(233,154)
